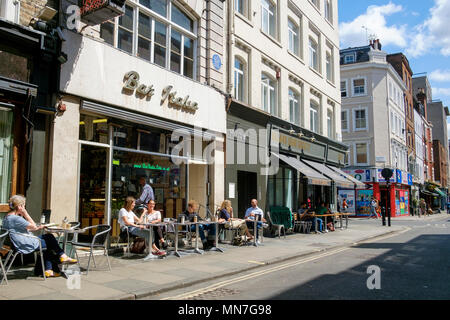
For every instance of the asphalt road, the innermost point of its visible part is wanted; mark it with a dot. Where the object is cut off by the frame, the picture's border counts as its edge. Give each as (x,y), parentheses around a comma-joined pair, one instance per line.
(412,265)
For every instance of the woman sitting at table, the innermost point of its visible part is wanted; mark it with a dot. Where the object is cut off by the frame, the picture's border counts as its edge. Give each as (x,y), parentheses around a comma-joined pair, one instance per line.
(128,220)
(226,215)
(151,216)
(20,224)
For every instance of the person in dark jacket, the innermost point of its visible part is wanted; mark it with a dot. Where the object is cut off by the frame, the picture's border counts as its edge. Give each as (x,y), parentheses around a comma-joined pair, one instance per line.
(190,213)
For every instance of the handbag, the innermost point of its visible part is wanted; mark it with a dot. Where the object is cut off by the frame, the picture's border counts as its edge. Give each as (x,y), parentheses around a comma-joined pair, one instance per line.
(138,246)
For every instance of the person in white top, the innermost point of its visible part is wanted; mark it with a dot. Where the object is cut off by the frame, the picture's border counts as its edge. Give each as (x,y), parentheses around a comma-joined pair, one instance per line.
(128,220)
(151,216)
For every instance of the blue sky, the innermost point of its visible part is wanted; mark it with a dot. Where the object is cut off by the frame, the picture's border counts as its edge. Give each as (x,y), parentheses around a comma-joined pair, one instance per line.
(420,29)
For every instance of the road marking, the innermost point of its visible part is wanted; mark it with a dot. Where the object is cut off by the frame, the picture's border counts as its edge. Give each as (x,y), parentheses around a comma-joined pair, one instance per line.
(257,262)
(253,275)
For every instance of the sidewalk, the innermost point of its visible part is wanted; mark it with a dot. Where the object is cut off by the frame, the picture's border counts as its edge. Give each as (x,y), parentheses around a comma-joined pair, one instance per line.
(134,278)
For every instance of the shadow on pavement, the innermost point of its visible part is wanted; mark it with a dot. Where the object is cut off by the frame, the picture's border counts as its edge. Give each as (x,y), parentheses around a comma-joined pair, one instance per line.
(418,269)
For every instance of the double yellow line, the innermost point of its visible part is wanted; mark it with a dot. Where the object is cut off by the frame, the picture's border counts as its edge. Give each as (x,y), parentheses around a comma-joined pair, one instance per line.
(218,285)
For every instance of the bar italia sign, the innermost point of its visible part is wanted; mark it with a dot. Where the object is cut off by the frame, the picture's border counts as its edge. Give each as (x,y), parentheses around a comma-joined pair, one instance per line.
(132,84)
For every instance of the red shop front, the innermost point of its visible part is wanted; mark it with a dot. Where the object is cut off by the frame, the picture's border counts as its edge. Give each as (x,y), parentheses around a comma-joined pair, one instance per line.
(399,197)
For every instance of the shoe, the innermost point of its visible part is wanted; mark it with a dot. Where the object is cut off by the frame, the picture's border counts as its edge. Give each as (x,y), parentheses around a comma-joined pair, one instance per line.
(265,225)
(164,245)
(67,260)
(326,231)
(258,241)
(159,253)
(52,274)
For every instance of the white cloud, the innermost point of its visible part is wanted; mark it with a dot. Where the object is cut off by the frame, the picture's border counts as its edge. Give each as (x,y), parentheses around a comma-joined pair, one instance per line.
(353,34)
(441,92)
(440,75)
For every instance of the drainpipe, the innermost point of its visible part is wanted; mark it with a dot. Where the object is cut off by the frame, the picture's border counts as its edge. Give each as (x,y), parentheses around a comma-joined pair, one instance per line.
(230,27)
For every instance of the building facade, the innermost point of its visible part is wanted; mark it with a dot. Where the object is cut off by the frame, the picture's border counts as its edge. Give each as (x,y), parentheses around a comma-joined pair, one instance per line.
(374,127)
(283,76)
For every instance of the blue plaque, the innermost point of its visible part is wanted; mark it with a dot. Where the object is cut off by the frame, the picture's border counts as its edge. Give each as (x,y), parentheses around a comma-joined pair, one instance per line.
(217,63)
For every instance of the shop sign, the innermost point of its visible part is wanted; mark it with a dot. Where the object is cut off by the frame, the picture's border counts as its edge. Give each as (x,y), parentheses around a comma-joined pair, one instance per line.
(335,156)
(363,200)
(150,167)
(398,176)
(363,175)
(132,83)
(349,195)
(381,179)
(410,179)
(300,146)
(404,178)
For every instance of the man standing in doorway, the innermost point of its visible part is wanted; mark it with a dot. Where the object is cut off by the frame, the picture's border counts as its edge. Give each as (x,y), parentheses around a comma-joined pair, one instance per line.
(146,194)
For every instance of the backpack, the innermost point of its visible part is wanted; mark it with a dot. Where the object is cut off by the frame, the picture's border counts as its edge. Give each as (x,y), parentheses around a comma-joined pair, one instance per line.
(138,246)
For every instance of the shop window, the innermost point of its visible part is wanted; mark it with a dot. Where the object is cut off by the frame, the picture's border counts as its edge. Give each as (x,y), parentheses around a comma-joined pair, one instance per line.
(93,129)
(125,137)
(149,141)
(6,144)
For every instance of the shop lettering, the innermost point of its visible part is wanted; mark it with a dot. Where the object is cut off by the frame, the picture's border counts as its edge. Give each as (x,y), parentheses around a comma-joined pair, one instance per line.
(132,84)
(178,102)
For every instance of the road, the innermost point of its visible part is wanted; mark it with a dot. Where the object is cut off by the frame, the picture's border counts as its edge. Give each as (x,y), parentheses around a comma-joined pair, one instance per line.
(412,265)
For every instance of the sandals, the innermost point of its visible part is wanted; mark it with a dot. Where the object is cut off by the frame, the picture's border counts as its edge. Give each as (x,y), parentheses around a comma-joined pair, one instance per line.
(67,260)
(159,253)
(52,274)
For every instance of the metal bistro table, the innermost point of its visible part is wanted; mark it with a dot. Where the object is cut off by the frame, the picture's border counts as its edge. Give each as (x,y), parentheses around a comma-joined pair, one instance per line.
(325,216)
(149,228)
(217,223)
(175,225)
(59,230)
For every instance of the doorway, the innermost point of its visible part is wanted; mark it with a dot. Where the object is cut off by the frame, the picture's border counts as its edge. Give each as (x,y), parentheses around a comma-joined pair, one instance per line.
(247,190)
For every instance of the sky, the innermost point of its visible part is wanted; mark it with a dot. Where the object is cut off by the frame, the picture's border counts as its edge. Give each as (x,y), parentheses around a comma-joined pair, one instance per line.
(419,29)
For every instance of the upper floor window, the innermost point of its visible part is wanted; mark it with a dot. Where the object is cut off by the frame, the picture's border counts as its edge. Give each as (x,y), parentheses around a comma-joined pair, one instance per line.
(350,58)
(241,6)
(268,94)
(239,77)
(328,10)
(168,42)
(316,3)
(360,119)
(344,120)
(344,89)
(294,37)
(268,17)
(313,55)
(362,153)
(330,127)
(359,87)
(329,66)
(294,107)
(314,117)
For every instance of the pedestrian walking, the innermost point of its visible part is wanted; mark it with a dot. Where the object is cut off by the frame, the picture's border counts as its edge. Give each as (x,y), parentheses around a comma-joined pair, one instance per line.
(373,208)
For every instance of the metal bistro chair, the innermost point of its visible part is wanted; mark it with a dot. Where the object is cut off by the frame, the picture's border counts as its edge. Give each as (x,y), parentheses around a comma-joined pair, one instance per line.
(100,240)
(276,228)
(3,234)
(13,253)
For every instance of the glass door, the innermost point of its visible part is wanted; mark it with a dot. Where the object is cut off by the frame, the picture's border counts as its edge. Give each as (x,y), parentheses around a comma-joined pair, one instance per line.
(93,193)
(6,122)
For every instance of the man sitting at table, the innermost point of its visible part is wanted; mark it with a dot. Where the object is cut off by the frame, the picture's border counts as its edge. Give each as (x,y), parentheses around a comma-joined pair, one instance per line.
(306,216)
(324,209)
(254,213)
(189,214)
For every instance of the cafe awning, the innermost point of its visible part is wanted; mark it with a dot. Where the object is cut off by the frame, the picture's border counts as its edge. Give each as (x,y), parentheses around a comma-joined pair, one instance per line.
(313,177)
(339,180)
(358,184)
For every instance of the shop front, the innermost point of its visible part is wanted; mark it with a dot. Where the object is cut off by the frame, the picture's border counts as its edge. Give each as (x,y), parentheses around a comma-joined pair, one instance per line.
(398,194)
(121,125)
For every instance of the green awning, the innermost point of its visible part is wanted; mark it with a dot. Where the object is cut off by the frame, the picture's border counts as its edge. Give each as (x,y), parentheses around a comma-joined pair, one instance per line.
(440,192)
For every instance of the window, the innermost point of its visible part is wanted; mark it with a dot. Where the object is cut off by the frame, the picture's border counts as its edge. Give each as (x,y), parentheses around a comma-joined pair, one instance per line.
(329,61)
(392,123)
(344,120)
(294,41)
(268,95)
(238,80)
(268,16)
(316,3)
(360,120)
(148,37)
(343,89)
(314,117)
(359,87)
(313,58)
(294,107)
(361,153)
(330,127)
(240,6)
(328,10)
(350,58)
(6,148)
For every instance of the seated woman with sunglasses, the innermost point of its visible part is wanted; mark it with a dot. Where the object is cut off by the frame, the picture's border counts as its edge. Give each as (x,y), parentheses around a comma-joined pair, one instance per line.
(20,224)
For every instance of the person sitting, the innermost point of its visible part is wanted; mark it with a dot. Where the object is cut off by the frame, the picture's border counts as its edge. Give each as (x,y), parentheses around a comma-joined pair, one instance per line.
(190,213)
(19,222)
(128,220)
(323,209)
(254,213)
(151,216)
(226,215)
(304,215)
